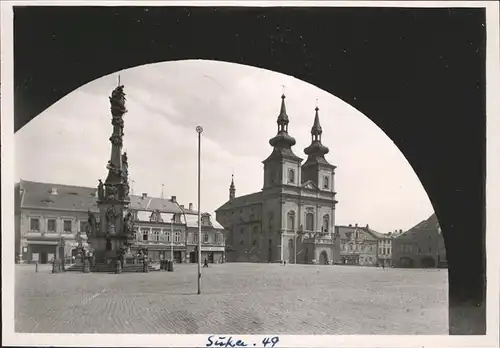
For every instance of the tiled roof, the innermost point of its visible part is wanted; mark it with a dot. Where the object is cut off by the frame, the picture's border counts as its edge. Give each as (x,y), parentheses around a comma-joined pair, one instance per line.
(76,198)
(153,203)
(343,230)
(79,198)
(242,201)
(430,224)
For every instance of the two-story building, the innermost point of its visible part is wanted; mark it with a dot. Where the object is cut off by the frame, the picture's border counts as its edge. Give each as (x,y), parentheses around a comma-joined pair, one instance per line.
(358,245)
(421,246)
(49,219)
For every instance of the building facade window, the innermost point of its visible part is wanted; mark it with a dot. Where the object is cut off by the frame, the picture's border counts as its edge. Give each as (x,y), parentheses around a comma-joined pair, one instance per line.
(35,224)
(326,222)
(156,235)
(326,182)
(67,226)
(195,237)
(309,221)
(51,225)
(177,237)
(291,220)
(291,176)
(145,234)
(205,238)
(83,226)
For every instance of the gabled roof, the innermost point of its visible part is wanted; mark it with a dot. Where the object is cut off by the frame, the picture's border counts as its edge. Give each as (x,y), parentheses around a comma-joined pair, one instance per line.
(39,195)
(153,203)
(344,230)
(431,223)
(242,201)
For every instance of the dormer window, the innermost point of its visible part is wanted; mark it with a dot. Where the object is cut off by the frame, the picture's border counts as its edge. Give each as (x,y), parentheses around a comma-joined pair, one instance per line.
(291,176)
(326,182)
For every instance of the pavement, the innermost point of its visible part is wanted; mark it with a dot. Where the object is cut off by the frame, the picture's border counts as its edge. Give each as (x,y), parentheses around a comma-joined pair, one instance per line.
(236,297)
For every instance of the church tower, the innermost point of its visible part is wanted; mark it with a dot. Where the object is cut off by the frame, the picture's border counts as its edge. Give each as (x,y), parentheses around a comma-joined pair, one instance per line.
(316,168)
(282,167)
(232,189)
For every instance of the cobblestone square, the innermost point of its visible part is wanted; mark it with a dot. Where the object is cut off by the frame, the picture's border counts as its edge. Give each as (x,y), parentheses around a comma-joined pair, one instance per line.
(236,297)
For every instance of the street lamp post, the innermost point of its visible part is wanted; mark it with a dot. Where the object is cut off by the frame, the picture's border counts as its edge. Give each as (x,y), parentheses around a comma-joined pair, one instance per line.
(172,239)
(199,130)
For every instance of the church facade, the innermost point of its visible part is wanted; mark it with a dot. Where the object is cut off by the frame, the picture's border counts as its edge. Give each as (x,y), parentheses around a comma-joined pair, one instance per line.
(292,218)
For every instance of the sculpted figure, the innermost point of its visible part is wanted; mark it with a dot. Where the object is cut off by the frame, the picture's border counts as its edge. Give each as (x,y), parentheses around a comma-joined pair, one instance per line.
(117,101)
(92,224)
(100,190)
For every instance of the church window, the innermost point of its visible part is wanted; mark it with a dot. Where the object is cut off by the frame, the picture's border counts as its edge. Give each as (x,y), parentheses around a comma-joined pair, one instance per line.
(309,221)
(326,222)
(291,176)
(291,221)
(326,182)
(255,230)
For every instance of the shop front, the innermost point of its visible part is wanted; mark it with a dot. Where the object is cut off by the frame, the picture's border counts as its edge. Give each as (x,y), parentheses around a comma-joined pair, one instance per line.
(212,254)
(41,251)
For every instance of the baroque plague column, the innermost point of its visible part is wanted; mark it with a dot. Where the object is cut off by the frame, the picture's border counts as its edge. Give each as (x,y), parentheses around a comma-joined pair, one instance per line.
(111,238)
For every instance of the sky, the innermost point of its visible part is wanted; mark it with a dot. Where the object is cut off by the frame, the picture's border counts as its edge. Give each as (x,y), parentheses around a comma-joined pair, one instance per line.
(237,106)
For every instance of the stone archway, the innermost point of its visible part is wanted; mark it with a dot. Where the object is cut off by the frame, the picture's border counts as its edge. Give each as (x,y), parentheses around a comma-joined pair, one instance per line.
(428,262)
(323,258)
(406,262)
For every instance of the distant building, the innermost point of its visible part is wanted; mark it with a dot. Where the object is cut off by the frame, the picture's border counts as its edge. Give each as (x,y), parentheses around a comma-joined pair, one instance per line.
(421,246)
(384,247)
(358,245)
(293,217)
(49,219)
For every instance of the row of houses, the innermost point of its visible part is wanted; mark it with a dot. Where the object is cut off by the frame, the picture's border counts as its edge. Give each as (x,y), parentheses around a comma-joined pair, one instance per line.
(51,219)
(421,246)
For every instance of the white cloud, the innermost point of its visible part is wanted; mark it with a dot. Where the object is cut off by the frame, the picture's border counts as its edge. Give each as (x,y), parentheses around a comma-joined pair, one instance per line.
(237,107)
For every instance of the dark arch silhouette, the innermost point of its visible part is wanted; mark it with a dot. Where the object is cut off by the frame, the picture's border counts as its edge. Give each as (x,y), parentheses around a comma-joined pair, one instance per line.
(419,74)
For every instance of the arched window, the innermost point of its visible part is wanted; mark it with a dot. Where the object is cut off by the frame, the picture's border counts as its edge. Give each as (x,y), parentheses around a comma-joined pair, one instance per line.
(326,182)
(291,176)
(309,221)
(291,221)
(326,223)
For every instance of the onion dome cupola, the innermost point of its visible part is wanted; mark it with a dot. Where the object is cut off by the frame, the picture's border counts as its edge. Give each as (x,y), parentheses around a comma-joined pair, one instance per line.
(282,140)
(316,149)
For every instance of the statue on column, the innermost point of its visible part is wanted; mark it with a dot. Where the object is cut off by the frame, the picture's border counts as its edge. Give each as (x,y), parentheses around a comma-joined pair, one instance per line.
(92,224)
(125,165)
(117,101)
(100,190)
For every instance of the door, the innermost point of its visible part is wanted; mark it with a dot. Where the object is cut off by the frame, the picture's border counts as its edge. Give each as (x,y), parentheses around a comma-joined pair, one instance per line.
(210,257)
(193,257)
(323,258)
(178,256)
(43,258)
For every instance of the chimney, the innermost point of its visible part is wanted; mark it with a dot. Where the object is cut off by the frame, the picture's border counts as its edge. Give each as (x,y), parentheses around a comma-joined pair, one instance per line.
(53,191)
(400,231)
(144,195)
(174,199)
(367,226)
(350,225)
(190,206)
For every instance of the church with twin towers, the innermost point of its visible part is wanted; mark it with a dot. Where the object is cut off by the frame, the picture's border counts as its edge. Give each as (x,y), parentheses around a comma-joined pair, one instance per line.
(292,218)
